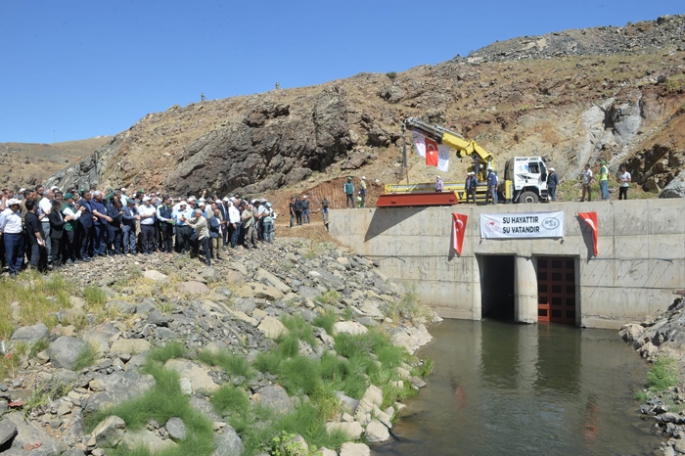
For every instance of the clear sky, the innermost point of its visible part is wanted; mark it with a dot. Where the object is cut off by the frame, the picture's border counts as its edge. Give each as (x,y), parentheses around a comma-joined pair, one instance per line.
(74,69)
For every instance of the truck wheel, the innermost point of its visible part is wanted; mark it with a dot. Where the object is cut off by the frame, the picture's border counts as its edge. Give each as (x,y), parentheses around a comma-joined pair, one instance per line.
(529,197)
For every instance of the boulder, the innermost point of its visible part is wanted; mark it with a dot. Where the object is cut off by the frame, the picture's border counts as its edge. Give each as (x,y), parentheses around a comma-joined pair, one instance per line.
(176,428)
(631,332)
(258,290)
(122,306)
(349,327)
(7,431)
(129,346)
(675,188)
(263,274)
(355,449)
(412,338)
(101,336)
(30,334)
(376,432)
(196,374)
(272,327)
(210,275)
(109,432)
(30,434)
(144,438)
(353,430)
(118,387)
(193,288)
(228,443)
(275,398)
(64,351)
(327,452)
(155,276)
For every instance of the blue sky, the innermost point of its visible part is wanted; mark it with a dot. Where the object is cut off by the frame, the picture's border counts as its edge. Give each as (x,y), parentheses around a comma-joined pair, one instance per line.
(74,69)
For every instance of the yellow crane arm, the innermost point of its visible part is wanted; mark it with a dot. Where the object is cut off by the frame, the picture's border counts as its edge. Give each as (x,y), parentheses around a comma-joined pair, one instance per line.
(465,147)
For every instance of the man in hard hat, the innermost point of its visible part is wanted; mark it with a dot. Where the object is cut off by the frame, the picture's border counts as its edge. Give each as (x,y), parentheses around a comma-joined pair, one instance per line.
(362,191)
(604,180)
(348,188)
(492,187)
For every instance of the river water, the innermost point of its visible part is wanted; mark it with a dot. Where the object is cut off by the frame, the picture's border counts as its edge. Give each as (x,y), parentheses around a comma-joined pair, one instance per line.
(505,389)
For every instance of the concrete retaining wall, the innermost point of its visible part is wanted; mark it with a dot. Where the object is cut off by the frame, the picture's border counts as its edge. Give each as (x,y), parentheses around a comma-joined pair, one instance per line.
(641,257)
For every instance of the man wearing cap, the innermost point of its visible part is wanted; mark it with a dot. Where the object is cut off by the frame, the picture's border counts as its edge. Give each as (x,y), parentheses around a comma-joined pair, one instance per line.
(183,231)
(492,187)
(471,185)
(128,226)
(604,180)
(587,181)
(11,230)
(147,214)
(348,188)
(248,220)
(552,183)
(438,184)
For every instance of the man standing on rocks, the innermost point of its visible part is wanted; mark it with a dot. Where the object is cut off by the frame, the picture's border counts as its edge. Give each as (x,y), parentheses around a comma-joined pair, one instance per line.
(12,233)
(324,209)
(587,182)
(147,214)
(38,257)
(199,224)
(183,231)
(604,180)
(215,235)
(348,188)
(298,209)
(44,208)
(84,229)
(166,225)
(69,238)
(291,209)
(362,190)
(249,227)
(101,224)
(624,179)
(552,183)
(234,223)
(128,227)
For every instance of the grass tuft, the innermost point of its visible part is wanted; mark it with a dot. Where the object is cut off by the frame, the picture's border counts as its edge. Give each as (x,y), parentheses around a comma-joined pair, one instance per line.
(172,350)
(231,363)
(663,375)
(86,357)
(95,297)
(326,321)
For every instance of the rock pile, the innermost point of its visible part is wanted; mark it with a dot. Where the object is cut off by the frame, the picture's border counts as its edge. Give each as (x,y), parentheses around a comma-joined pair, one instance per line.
(236,306)
(640,38)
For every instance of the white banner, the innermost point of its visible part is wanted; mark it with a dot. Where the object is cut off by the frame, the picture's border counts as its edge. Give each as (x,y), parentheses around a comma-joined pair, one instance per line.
(419,143)
(522,225)
(444,158)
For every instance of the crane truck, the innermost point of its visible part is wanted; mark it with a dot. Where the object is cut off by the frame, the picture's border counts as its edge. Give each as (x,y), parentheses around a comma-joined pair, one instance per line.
(525,178)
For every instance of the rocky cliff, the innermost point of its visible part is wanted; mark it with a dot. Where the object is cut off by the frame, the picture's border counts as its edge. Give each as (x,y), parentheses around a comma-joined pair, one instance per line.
(576,96)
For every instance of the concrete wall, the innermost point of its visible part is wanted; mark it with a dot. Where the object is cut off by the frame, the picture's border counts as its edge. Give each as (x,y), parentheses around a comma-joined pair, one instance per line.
(641,257)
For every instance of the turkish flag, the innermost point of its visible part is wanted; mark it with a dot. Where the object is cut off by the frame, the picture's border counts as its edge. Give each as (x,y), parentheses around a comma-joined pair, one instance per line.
(591,219)
(432,152)
(458,230)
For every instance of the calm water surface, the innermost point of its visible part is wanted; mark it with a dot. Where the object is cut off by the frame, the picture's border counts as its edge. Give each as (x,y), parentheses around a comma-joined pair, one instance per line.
(505,389)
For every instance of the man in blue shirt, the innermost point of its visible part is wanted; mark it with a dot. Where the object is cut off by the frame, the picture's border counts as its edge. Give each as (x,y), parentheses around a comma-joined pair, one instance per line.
(492,187)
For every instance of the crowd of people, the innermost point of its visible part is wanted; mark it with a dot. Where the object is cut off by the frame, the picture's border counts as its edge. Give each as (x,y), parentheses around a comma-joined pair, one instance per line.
(47,228)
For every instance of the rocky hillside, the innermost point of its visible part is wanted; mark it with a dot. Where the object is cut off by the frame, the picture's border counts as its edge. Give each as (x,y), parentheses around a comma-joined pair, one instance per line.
(576,96)
(24,164)
(298,345)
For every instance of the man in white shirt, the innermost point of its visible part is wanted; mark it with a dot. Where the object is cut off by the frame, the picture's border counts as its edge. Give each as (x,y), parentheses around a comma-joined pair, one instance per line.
(624,183)
(234,223)
(12,232)
(44,208)
(147,214)
(587,182)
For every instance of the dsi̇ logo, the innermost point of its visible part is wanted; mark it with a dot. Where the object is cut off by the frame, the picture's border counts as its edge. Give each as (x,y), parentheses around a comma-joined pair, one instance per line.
(550,223)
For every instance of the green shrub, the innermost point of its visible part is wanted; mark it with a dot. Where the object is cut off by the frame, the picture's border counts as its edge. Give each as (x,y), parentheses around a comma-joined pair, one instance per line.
(229,398)
(663,375)
(392,75)
(172,350)
(95,297)
(231,363)
(326,321)
(300,375)
(269,361)
(330,297)
(86,357)
(299,328)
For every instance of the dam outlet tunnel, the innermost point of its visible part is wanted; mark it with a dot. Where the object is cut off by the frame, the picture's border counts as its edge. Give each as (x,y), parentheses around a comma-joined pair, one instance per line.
(497,276)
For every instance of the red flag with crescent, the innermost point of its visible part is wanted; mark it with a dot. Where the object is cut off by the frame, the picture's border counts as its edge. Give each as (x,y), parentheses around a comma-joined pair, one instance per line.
(432,153)
(591,219)
(458,230)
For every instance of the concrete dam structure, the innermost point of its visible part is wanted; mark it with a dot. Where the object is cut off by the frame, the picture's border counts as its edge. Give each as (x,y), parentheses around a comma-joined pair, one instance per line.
(639,265)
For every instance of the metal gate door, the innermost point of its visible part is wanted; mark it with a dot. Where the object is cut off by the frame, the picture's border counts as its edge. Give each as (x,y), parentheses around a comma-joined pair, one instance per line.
(556,290)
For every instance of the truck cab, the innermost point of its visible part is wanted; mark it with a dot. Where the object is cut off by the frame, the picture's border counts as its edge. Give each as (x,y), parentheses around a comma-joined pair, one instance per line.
(528,177)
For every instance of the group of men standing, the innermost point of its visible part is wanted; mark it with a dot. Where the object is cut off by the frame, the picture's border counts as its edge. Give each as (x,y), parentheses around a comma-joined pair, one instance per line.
(52,228)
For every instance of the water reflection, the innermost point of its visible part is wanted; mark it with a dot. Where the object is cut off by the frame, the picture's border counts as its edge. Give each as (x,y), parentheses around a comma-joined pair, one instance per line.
(500,388)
